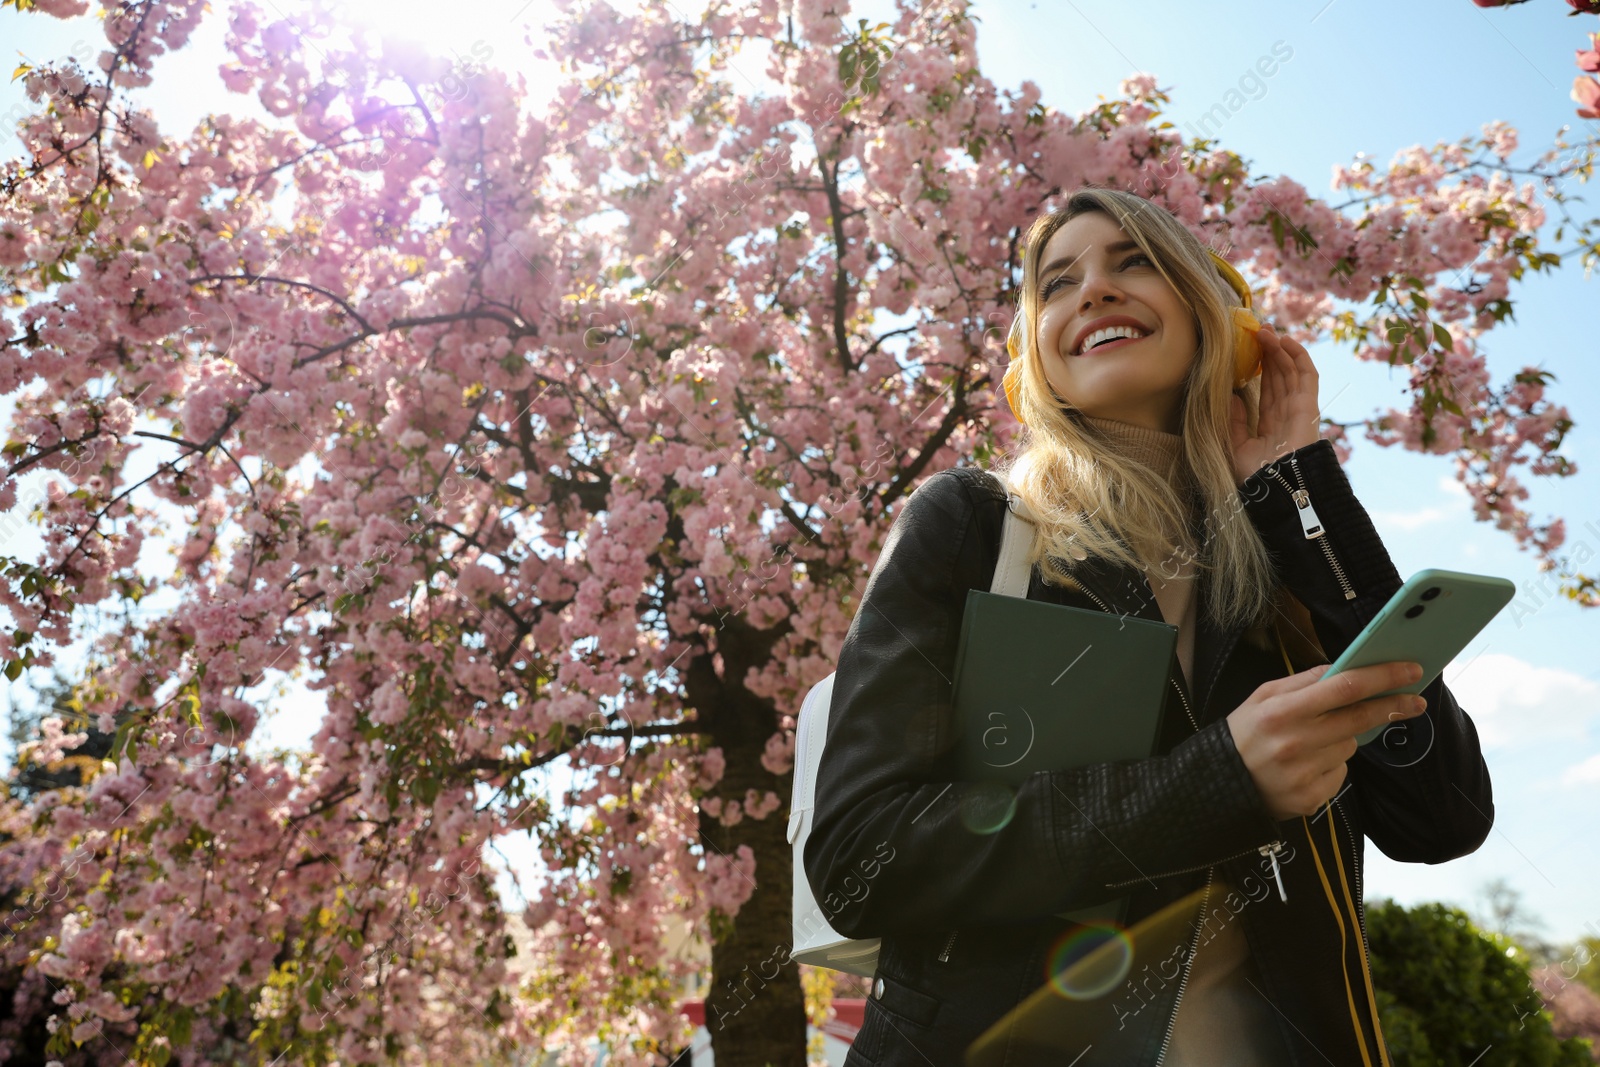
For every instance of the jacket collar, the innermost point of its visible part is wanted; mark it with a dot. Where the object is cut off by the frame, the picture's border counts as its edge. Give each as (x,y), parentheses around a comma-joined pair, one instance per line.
(1126,591)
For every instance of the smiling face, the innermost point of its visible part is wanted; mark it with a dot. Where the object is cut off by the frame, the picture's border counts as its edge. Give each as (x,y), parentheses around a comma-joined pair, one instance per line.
(1115,338)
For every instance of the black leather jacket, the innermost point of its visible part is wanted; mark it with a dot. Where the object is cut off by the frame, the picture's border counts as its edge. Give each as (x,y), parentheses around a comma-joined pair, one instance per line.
(969,921)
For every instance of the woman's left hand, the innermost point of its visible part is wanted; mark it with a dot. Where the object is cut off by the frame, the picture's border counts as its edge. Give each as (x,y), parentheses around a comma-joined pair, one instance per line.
(1290,418)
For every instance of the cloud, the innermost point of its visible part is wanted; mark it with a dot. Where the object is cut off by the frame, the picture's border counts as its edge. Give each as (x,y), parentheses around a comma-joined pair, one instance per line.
(1585,773)
(1514,703)
(1410,520)
(1458,507)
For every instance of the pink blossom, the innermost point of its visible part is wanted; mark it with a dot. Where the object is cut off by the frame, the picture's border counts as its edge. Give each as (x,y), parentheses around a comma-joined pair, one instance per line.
(1586,91)
(778,754)
(53,743)
(1589,59)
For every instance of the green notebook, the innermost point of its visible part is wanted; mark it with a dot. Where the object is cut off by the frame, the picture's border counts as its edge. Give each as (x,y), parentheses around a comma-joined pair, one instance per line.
(1042,686)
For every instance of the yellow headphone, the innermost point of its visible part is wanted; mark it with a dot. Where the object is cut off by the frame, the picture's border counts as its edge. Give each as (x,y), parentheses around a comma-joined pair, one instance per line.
(1246,346)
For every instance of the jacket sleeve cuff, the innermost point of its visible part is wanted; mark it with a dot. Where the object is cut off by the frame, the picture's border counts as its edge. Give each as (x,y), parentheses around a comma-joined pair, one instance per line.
(1341,571)
(1204,801)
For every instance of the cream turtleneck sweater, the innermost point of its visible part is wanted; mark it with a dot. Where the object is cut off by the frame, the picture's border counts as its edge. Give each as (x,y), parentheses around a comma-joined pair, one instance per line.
(1222,1020)
(1172,580)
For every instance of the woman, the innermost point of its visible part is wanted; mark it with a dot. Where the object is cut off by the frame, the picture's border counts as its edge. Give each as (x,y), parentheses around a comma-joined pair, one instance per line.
(1161,487)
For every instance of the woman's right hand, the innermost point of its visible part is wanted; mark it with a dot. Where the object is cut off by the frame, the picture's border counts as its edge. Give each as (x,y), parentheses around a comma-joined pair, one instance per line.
(1295,733)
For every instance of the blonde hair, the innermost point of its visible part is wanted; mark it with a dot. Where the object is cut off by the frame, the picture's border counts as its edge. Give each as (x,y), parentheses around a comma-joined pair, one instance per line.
(1090,501)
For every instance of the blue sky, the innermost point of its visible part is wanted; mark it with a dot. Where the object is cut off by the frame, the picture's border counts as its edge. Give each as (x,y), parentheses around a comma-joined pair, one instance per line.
(1360,78)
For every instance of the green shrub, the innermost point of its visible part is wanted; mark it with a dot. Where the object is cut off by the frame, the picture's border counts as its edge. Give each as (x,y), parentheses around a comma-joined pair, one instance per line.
(1449,992)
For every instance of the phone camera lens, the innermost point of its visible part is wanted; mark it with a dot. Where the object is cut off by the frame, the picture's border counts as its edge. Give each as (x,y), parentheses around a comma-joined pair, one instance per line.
(1430,592)
(1415,610)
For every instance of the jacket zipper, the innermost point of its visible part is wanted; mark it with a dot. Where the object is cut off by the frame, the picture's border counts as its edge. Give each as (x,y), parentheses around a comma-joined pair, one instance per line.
(1270,851)
(944,955)
(1185,701)
(1188,965)
(1361,904)
(1361,938)
(1311,524)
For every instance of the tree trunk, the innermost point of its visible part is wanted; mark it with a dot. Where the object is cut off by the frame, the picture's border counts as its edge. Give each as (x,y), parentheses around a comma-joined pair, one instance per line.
(755,1010)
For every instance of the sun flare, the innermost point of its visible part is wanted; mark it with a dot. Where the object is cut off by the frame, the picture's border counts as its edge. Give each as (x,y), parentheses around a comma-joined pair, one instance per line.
(464,30)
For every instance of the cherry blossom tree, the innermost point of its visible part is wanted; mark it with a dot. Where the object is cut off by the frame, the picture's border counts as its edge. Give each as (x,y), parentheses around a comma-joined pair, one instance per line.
(560,433)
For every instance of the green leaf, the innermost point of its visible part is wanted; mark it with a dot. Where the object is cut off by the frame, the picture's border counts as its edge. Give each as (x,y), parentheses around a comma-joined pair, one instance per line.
(123,741)
(1442,335)
(182,1026)
(426,789)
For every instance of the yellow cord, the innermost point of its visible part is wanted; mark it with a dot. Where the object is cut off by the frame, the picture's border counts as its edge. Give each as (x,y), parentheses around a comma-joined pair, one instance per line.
(1327,887)
(1287,665)
(1383,1052)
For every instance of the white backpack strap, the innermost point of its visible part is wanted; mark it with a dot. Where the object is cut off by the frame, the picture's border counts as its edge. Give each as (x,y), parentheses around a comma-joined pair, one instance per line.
(1012,572)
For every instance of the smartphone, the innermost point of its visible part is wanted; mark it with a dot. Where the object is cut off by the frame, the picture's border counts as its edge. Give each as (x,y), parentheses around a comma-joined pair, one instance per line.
(1429,620)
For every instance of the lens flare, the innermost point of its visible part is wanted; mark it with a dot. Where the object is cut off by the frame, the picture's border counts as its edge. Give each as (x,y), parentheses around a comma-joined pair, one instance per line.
(987,807)
(446,28)
(1090,961)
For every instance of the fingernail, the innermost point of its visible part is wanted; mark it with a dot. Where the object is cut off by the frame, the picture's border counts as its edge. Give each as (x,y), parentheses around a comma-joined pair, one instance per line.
(1420,703)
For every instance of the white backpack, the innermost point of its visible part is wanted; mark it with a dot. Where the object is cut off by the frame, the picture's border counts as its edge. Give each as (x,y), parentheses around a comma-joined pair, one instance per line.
(815,940)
